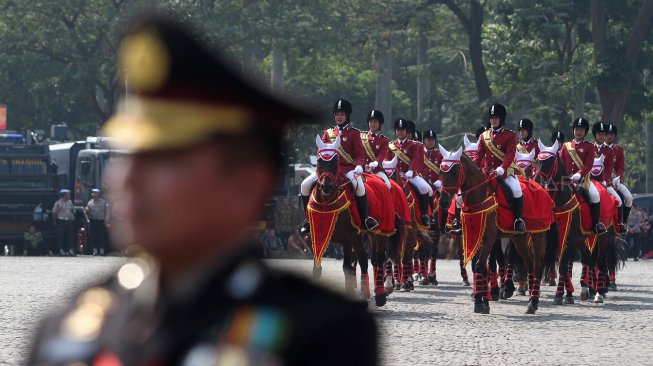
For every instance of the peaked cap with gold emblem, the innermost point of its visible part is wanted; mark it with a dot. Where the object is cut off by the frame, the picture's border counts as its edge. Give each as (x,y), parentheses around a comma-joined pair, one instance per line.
(180,94)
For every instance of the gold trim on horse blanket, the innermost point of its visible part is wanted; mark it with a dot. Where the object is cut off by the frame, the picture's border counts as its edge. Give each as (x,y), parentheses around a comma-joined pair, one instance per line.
(323,219)
(474,224)
(563,216)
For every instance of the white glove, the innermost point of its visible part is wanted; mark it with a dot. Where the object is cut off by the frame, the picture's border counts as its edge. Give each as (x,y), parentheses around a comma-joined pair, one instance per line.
(605,185)
(409,174)
(358,170)
(374,164)
(499,171)
(616,181)
(576,177)
(438,184)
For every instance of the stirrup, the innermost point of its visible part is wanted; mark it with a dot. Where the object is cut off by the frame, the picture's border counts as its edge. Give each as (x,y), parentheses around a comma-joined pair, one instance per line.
(306,228)
(455,227)
(519,225)
(426,220)
(371,223)
(599,229)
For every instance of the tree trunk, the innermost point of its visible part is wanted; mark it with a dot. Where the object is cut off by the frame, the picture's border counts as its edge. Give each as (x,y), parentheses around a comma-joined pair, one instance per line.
(614,96)
(383,99)
(423,81)
(276,76)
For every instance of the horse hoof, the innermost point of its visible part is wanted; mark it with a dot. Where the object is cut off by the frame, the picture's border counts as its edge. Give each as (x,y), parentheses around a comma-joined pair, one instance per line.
(502,295)
(552,283)
(411,287)
(531,309)
(388,286)
(612,287)
(568,300)
(466,283)
(598,299)
(404,287)
(479,308)
(432,280)
(584,293)
(494,292)
(424,282)
(397,286)
(557,301)
(522,292)
(380,300)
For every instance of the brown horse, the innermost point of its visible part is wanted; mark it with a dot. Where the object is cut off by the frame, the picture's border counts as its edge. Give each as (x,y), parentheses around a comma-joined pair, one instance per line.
(328,195)
(460,173)
(594,280)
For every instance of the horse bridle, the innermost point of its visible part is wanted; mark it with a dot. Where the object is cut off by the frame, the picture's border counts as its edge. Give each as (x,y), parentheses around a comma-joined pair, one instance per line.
(461,177)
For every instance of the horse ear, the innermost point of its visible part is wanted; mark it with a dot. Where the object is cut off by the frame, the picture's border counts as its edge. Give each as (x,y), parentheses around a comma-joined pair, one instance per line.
(319,142)
(457,154)
(602,158)
(390,163)
(443,151)
(540,145)
(466,142)
(336,144)
(531,156)
(555,146)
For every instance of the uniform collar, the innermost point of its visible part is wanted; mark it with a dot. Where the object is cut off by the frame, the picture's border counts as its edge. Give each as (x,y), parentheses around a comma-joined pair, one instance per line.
(579,141)
(344,126)
(609,145)
(498,129)
(402,141)
(373,133)
(599,146)
(526,142)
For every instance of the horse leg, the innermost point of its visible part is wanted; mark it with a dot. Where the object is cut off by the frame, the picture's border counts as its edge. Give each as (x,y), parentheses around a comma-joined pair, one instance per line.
(523,250)
(433,254)
(361,256)
(585,277)
(481,292)
(378,263)
(537,248)
(423,254)
(602,268)
(407,261)
(347,268)
(463,269)
(562,280)
(492,269)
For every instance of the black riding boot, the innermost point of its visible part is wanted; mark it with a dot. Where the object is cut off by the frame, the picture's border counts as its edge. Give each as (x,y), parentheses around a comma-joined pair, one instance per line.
(456,227)
(626,213)
(368,221)
(518,209)
(595,210)
(306,227)
(434,214)
(622,224)
(423,201)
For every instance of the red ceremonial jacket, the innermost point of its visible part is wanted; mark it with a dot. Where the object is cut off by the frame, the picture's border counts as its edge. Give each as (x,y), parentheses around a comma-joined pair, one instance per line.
(350,140)
(504,140)
(379,146)
(414,150)
(529,146)
(585,151)
(435,157)
(619,160)
(608,162)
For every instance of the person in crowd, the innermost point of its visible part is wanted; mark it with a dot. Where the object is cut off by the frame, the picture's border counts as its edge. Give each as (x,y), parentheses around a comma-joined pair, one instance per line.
(99,215)
(33,242)
(633,238)
(297,246)
(63,215)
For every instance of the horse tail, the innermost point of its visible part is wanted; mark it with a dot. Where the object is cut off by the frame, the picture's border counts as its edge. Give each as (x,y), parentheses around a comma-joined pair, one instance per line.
(617,254)
(550,250)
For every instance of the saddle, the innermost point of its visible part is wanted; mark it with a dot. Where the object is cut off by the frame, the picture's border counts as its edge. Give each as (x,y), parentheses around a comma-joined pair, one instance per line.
(538,206)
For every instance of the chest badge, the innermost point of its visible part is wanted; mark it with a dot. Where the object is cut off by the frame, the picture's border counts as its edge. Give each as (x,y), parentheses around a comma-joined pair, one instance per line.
(344,139)
(581,150)
(378,146)
(498,146)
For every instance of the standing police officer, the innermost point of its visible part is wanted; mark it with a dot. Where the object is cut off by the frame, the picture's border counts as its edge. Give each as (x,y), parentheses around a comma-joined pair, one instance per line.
(99,214)
(63,216)
(203,156)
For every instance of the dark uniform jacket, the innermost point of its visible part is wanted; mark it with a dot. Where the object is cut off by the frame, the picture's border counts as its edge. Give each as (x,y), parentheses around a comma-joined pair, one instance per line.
(585,151)
(435,157)
(608,163)
(414,150)
(242,311)
(350,141)
(378,146)
(506,141)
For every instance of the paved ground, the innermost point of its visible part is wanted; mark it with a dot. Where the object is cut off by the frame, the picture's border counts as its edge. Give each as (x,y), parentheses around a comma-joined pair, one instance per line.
(433,325)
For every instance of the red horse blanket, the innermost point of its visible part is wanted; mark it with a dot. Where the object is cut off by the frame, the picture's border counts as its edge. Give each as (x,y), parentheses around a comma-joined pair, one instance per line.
(609,214)
(402,210)
(538,208)
(323,216)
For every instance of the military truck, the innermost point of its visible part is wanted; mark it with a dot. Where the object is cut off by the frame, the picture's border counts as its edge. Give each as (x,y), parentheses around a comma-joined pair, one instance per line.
(28,189)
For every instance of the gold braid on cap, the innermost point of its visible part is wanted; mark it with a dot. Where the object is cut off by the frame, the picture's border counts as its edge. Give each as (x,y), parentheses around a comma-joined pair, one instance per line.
(144,61)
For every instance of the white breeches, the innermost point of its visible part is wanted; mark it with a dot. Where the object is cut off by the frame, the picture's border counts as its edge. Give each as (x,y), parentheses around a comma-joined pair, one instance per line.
(593,193)
(385,179)
(430,191)
(615,195)
(357,181)
(307,184)
(628,197)
(513,183)
(420,184)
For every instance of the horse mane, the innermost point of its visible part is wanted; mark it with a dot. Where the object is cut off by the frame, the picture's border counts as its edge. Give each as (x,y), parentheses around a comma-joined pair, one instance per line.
(470,170)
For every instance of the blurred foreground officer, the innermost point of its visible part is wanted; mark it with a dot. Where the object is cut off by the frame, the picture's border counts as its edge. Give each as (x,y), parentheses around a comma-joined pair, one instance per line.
(205,154)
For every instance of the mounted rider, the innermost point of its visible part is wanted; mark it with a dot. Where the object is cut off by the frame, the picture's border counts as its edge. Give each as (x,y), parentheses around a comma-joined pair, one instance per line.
(578,157)
(603,172)
(496,152)
(560,137)
(619,164)
(526,143)
(470,149)
(431,167)
(376,145)
(410,159)
(351,159)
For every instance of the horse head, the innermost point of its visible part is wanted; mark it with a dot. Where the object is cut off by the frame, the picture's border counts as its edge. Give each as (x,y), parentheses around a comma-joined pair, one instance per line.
(524,161)
(547,164)
(327,167)
(390,166)
(597,166)
(450,170)
(471,148)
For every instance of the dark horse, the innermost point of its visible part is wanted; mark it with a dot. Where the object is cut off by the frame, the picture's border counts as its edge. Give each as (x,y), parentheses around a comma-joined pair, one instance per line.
(551,175)
(461,173)
(329,187)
